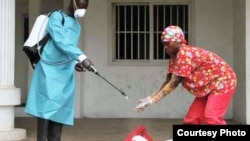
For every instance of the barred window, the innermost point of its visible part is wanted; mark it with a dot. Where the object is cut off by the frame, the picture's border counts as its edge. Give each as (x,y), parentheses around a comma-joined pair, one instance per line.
(137,29)
(132,32)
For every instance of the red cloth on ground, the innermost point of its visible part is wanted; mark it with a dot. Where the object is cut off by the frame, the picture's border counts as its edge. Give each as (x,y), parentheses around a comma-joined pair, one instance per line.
(141,131)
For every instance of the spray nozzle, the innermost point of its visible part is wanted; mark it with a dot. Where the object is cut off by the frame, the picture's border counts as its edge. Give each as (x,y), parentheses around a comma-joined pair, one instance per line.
(93,69)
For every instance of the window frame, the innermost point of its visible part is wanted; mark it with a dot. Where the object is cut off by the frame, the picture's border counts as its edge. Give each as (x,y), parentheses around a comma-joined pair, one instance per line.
(151,61)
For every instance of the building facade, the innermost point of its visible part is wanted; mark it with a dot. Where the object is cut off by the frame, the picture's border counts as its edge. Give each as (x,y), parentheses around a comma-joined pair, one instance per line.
(121,38)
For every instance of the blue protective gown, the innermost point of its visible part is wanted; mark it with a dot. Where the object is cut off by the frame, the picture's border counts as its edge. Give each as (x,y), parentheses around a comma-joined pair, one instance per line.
(52,89)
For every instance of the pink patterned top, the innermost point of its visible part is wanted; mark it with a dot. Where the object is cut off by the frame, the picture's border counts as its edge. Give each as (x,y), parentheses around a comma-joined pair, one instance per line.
(202,71)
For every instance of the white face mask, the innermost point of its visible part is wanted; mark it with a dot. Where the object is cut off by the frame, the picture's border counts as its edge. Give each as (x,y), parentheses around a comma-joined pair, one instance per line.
(79,13)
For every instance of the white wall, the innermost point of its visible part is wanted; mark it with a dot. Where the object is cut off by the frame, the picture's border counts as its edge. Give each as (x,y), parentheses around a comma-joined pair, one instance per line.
(214,29)
(247,62)
(21,65)
(212,22)
(241,110)
(100,99)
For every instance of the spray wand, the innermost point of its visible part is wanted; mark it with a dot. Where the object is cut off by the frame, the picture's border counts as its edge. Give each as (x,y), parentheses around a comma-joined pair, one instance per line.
(94,70)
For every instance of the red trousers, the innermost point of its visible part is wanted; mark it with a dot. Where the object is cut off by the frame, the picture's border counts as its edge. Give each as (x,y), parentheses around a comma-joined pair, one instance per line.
(209,109)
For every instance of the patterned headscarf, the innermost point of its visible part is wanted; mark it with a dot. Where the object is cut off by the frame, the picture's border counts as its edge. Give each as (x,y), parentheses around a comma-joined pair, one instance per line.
(173,33)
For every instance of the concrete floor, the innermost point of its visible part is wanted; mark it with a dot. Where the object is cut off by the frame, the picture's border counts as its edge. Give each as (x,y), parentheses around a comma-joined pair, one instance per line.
(105,129)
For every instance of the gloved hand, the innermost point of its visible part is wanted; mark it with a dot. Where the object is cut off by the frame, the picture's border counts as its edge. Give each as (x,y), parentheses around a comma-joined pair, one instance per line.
(143,103)
(79,67)
(86,63)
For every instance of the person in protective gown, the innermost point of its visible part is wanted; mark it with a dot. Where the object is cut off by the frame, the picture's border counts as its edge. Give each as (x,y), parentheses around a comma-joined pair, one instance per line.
(51,96)
(203,73)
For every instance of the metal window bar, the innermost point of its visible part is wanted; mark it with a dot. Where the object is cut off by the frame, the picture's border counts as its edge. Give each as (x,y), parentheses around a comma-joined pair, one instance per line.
(184,19)
(145,33)
(177,15)
(138,33)
(118,34)
(171,14)
(131,33)
(157,22)
(125,29)
(164,23)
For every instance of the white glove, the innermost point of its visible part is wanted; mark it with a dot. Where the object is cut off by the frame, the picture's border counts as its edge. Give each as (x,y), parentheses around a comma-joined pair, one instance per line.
(143,103)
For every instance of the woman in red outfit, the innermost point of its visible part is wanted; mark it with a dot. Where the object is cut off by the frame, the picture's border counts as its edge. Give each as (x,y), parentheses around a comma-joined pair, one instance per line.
(203,73)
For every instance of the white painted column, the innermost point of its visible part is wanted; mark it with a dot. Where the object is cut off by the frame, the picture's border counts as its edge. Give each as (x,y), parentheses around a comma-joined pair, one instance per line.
(9,94)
